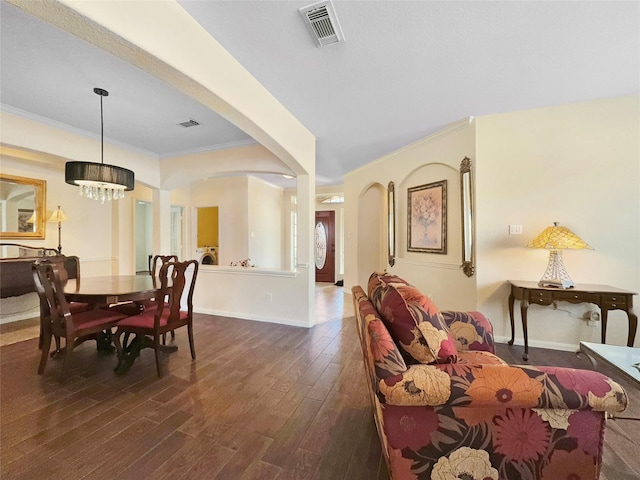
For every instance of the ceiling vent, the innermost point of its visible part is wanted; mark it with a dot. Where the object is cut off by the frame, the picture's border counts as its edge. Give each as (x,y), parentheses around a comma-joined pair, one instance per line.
(189,123)
(321,18)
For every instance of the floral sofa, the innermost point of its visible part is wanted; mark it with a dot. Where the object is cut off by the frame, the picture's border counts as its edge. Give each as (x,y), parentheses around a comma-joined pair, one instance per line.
(446,407)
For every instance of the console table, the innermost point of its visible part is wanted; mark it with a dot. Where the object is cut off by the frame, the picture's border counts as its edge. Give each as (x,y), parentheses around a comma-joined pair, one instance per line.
(604,296)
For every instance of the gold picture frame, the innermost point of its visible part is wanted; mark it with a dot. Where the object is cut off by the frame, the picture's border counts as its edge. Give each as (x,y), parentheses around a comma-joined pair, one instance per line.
(427,218)
(25,209)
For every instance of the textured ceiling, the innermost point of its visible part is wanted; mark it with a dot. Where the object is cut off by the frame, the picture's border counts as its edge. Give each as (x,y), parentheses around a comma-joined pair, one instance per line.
(405,70)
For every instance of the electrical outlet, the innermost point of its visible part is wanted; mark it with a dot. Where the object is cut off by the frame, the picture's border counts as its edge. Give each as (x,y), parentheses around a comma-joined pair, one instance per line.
(515,229)
(269,297)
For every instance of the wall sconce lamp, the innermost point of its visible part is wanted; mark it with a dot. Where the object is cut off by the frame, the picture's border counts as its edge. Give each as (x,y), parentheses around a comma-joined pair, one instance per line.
(556,239)
(59,217)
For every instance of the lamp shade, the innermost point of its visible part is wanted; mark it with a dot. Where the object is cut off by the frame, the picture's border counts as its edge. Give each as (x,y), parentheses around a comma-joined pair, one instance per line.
(57,216)
(558,238)
(110,176)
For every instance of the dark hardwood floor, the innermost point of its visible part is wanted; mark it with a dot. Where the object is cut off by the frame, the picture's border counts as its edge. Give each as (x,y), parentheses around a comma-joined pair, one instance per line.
(262,401)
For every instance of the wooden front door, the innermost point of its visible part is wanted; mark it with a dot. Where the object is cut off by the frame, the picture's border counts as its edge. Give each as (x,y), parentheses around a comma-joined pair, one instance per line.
(325,246)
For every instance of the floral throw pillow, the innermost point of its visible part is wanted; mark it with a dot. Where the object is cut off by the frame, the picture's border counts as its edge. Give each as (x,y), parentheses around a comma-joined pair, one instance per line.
(378,282)
(416,324)
(387,358)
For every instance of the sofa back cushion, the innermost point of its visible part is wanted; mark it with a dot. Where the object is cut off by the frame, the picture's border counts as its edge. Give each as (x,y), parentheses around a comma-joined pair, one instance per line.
(413,320)
(382,355)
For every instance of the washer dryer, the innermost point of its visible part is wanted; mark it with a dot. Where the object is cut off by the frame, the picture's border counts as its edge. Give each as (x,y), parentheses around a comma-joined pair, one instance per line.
(207,255)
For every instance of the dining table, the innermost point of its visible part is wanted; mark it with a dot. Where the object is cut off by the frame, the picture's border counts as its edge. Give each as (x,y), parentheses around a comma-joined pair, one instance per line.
(109,290)
(112,289)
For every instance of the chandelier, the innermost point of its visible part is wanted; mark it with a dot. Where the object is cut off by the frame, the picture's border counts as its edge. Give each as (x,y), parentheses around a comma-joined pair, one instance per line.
(99,181)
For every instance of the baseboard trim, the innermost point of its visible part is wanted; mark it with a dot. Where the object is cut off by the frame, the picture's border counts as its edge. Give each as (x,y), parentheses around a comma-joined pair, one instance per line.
(566,347)
(247,316)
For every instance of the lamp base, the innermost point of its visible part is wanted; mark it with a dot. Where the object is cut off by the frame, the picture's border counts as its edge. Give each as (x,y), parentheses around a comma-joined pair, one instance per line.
(556,275)
(556,283)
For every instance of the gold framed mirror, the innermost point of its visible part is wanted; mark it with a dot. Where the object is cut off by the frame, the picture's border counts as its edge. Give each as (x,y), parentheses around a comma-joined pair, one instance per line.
(466,189)
(22,207)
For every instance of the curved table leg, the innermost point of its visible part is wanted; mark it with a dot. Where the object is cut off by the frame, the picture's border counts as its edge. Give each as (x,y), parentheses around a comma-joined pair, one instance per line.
(603,332)
(523,312)
(513,330)
(633,326)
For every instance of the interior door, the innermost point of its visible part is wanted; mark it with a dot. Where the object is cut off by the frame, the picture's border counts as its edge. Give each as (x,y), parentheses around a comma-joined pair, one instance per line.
(325,246)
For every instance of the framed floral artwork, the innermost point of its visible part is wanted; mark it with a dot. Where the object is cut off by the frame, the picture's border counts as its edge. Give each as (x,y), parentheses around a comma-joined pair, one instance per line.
(427,218)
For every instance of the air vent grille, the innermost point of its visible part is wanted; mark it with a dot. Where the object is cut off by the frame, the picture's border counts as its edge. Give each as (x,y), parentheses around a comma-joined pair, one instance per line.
(322,21)
(189,123)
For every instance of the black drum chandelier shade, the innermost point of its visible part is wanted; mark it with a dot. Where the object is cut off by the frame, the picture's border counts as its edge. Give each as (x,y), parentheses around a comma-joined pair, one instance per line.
(99,181)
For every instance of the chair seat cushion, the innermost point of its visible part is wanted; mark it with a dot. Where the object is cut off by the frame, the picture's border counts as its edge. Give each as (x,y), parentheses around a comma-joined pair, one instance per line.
(147,319)
(129,308)
(91,319)
(78,307)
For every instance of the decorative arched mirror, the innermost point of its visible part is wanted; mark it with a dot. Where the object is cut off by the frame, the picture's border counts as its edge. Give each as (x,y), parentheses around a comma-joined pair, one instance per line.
(22,207)
(466,189)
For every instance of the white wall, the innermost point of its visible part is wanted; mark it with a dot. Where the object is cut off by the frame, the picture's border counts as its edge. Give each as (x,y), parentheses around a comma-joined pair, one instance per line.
(436,157)
(577,164)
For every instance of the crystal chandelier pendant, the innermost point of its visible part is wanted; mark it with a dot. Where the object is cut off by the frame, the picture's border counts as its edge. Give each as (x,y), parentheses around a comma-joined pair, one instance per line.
(100,181)
(102,192)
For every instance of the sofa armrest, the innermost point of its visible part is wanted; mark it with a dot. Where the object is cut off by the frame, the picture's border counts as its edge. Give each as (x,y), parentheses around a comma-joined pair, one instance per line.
(501,387)
(471,330)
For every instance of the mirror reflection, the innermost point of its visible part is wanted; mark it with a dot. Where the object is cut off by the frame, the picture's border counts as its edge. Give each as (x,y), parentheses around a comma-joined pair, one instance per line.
(22,207)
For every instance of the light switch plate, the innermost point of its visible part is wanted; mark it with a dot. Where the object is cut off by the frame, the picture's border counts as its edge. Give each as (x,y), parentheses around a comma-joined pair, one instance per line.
(515,229)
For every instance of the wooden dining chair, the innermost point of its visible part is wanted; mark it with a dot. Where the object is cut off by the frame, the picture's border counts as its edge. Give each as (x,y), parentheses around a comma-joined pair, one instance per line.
(159,260)
(70,269)
(57,320)
(134,308)
(165,316)
(156,264)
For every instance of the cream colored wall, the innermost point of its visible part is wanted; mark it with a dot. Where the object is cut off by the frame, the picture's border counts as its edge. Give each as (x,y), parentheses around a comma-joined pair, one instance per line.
(56,146)
(436,157)
(577,164)
(371,231)
(230,195)
(265,223)
(87,233)
(183,169)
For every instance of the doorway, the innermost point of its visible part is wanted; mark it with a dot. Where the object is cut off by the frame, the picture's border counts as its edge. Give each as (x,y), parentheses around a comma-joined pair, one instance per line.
(325,246)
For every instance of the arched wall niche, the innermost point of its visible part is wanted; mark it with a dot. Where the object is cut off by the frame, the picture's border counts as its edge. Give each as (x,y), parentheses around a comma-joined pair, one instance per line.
(372,231)
(424,175)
